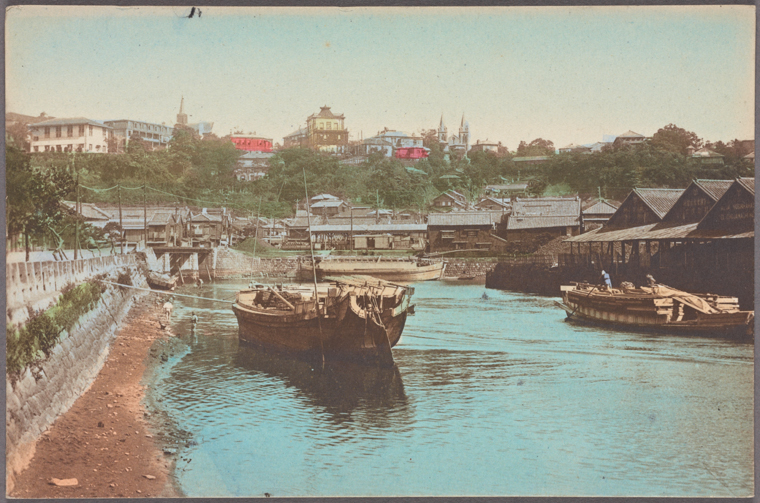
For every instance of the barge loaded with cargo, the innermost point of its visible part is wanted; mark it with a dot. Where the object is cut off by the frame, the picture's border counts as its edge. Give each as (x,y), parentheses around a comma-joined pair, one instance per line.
(656,307)
(405,270)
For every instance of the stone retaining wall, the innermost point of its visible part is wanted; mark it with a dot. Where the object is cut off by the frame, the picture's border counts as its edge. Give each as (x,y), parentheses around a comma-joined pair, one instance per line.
(49,388)
(235,264)
(37,285)
(456,269)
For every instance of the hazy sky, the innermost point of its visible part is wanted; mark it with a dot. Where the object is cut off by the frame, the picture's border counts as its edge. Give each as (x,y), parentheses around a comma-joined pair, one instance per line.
(567,74)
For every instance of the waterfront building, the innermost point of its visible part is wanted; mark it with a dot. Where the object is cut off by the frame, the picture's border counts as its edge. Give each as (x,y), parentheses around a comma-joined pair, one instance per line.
(598,214)
(154,135)
(644,206)
(558,216)
(464,230)
(696,201)
(326,132)
(77,134)
(251,143)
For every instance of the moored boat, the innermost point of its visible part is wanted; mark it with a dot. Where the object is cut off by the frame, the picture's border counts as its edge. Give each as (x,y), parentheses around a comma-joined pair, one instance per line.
(351,318)
(158,281)
(657,307)
(406,270)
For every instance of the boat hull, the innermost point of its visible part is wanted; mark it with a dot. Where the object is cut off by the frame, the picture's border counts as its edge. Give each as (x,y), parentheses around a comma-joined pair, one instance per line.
(341,334)
(403,272)
(647,313)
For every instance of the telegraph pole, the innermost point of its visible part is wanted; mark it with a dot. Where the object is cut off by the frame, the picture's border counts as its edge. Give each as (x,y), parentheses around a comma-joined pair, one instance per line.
(76,211)
(121,224)
(145,212)
(351,243)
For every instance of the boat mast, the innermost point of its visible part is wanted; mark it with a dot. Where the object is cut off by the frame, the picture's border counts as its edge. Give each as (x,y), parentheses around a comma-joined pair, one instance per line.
(313,268)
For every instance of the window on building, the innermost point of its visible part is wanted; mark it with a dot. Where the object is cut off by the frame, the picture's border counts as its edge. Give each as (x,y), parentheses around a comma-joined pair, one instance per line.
(69,131)
(81,130)
(105,132)
(329,125)
(90,130)
(59,148)
(36,138)
(47,148)
(69,148)
(447,234)
(47,132)
(36,149)
(80,147)
(58,131)
(97,148)
(89,147)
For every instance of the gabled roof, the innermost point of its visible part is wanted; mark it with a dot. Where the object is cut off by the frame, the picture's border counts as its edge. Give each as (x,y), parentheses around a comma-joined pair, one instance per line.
(748,183)
(630,134)
(70,122)
(201,217)
(89,210)
(322,197)
(503,202)
(328,203)
(659,200)
(601,208)
(714,188)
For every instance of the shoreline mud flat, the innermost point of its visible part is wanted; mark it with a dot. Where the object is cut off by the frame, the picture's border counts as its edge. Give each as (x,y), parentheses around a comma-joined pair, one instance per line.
(107,440)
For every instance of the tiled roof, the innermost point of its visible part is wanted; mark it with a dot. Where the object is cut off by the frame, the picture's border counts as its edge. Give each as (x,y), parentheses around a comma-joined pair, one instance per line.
(323,196)
(547,207)
(540,222)
(89,211)
(70,122)
(370,228)
(601,208)
(325,113)
(749,184)
(501,202)
(714,188)
(329,203)
(656,231)
(465,218)
(659,200)
(631,134)
(200,217)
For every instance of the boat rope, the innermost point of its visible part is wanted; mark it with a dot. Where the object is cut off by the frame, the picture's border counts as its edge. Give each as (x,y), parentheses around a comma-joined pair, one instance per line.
(163,292)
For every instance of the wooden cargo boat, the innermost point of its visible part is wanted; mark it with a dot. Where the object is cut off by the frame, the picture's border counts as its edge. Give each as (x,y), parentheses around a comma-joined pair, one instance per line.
(352,318)
(406,270)
(658,307)
(158,281)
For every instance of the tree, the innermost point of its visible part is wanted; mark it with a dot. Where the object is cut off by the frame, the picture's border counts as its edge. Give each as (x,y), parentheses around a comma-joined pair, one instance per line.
(537,147)
(675,139)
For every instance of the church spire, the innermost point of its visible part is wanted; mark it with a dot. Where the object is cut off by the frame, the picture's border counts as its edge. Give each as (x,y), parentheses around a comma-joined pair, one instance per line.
(182,116)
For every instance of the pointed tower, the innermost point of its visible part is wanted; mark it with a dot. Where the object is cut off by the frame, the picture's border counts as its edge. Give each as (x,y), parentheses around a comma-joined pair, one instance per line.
(464,134)
(442,131)
(182,116)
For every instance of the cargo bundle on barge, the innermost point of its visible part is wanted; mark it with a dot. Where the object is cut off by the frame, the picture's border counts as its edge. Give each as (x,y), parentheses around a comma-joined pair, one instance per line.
(657,307)
(406,270)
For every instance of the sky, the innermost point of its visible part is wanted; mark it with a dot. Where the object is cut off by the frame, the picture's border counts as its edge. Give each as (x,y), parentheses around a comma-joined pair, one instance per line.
(566,74)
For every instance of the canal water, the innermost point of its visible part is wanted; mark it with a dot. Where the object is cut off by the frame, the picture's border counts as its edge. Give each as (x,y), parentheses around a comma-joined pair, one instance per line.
(492,394)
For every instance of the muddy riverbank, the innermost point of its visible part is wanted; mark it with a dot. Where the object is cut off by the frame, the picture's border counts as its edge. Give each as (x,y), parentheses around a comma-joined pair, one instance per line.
(107,440)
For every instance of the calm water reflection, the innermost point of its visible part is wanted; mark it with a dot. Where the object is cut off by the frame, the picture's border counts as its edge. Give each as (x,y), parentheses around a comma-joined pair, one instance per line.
(495,396)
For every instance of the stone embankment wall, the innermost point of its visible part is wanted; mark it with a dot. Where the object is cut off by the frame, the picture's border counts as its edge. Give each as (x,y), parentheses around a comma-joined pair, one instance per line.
(37,285)
(459,268)
(235,264)
(49,388)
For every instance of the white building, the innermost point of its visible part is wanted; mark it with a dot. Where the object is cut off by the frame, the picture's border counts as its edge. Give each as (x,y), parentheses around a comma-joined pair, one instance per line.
(70,135)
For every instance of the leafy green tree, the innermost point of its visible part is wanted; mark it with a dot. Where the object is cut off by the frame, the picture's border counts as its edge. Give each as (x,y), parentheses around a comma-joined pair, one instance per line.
(675,139)
(537,147)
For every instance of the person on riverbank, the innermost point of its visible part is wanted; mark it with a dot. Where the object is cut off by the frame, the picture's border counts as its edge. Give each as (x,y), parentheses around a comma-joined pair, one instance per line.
(168,307)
